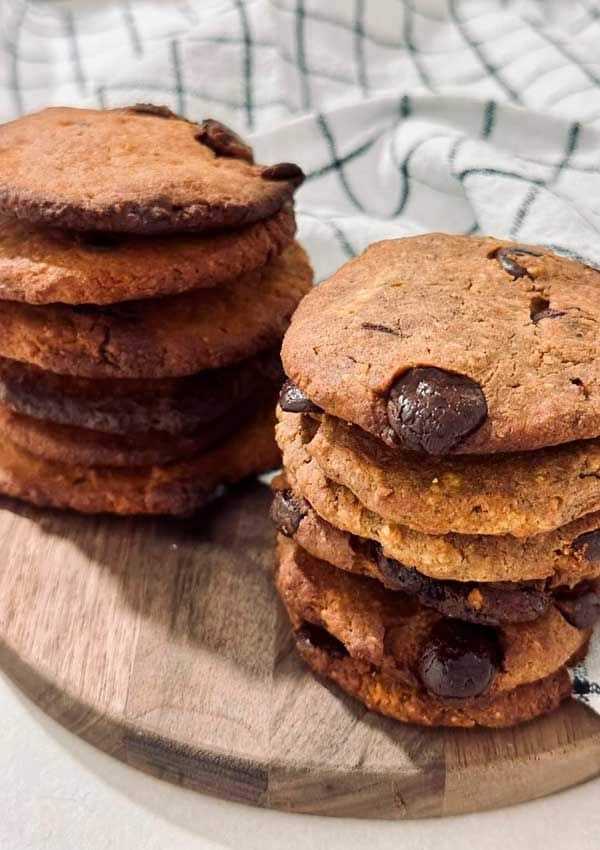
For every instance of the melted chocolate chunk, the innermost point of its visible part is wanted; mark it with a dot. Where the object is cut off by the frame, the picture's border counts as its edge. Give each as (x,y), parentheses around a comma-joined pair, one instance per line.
(152,109)
(317,637)
(293,400)
(431,410)
(505,257)
(284,171)
(588,546)
(459,659)
(223,141)
(489,604)
(580,606)
(287,511)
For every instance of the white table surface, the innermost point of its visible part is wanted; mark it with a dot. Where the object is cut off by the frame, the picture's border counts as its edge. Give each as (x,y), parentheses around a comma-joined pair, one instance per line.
(58,793)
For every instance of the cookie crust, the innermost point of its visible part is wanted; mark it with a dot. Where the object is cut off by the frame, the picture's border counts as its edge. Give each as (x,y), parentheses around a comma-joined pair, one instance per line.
(157,338)
(154,175)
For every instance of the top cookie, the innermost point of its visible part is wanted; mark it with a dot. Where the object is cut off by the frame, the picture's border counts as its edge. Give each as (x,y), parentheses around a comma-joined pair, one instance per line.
(135,170)
(452,344)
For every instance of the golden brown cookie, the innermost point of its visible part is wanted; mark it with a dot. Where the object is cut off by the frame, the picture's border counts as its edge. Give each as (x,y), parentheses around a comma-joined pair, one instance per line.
(566,556)
(443,663)
(177,488)
(443,344)
(163,337)
(42,266)
(490,603)
(129,405)
(134,170)
(520,494)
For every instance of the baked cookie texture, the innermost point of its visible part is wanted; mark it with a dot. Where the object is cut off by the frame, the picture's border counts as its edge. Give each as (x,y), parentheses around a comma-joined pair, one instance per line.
(518,323)
(378,640)
(158,338)
(148,271)
(46,265)
(439,512)
(134,170)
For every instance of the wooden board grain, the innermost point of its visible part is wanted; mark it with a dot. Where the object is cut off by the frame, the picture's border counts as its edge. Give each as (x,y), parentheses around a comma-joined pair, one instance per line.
(163,643)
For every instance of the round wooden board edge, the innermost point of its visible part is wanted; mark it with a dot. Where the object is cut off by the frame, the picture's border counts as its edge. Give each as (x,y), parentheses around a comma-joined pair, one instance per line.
(271,786)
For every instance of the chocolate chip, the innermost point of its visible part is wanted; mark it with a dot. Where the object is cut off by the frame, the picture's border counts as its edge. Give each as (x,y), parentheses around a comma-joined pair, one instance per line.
(431,410)
(284,171)
(223,141)
(588,546)
(459,659)
(580,606)
(293,400)
(369,326)
(505,257)
(287,511)
(488,604)
(540,309)
(317,637)
(152,109)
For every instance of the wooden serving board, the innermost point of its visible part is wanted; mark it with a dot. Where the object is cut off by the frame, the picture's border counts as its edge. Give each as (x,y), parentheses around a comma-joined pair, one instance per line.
(163,643)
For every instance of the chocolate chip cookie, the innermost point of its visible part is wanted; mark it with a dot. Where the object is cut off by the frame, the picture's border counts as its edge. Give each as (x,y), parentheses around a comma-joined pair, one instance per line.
(407,661)
(449,344)
(43,266)
(521,494)
(157,338)
(135,170)
(566,556)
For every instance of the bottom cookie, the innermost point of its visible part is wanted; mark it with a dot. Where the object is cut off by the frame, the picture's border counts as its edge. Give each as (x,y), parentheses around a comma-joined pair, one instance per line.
(407,661)
(176,488)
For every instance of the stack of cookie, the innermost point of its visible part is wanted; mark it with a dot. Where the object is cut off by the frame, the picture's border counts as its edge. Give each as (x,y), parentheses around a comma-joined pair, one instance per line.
(440,512)
(148,271)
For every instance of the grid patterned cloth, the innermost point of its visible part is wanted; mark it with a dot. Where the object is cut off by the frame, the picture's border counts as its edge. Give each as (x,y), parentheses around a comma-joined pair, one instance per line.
(469,116)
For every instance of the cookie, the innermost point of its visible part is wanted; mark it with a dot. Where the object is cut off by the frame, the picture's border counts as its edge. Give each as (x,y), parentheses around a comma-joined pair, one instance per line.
(134,171)
(385,694)
(43,266)
(177,489)
(489,603)
(445,658)
(565,556)
(163,337)
(177,406)
(520,494)
(75,446)
(451,344)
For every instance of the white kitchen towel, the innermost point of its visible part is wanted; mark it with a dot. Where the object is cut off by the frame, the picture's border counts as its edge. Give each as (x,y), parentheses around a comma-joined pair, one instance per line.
(469,116)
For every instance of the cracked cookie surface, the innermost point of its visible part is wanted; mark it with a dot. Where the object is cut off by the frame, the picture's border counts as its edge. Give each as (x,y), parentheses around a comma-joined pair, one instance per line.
(175,336)
(502,340)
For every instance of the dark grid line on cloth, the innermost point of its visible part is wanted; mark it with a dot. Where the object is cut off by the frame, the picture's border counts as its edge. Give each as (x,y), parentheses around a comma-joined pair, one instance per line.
(452,155)
(477,49)
(489,119)
(339,234)
(132,27)
(305,99)
(413,52)
(403,168)
(532,194)
(74,54)
(340,161)
(337,163)
(247,62)
(180,91)
(171,91)
(565,51)
(359,45)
